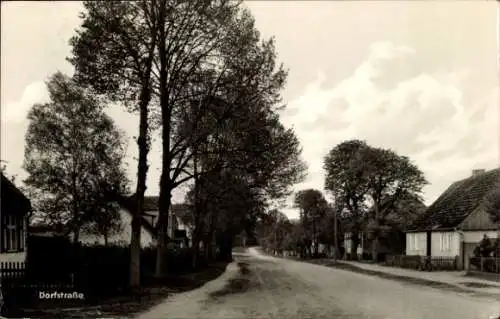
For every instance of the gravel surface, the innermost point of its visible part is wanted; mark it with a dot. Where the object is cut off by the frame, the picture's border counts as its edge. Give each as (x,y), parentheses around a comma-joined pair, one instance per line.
(257,286)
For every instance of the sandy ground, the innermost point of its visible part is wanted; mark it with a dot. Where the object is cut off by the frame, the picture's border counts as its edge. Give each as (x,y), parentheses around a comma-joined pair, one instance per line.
(257,286)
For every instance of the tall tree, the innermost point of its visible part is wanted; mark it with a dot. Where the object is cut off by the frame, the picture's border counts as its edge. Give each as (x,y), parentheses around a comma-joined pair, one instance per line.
(313,207)
(73,150)
(104,211)
(114,52)
(371,182)
(238,130)
(346,182)
(391,179)
(200,51)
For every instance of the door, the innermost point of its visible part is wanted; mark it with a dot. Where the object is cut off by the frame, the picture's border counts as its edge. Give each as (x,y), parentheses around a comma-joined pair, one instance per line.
(429,244)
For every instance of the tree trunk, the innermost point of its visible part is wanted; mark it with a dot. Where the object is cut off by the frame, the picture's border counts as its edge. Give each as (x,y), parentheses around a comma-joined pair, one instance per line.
(375,244)
(335,238)
(106,239)
(166,183)
(211,238)
(375,241)
(226,247)
(195,249)
(355,243)
(142,170)
(76,235)
(164,207)
(207,247)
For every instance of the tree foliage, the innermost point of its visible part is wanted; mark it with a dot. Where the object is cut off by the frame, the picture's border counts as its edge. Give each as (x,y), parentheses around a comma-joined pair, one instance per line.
(492,204)
(73,150)
(313,210)
(373,184)
(211,81)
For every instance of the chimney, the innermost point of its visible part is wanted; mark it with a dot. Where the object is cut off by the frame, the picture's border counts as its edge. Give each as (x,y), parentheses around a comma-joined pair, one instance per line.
(476,172)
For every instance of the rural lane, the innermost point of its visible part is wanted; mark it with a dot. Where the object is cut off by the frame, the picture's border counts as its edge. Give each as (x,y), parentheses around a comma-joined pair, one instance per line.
(258,286)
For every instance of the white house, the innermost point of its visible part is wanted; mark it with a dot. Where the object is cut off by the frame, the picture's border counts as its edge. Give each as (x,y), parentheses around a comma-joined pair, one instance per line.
(456,222)
(177,221)
(15,208)
(348,244)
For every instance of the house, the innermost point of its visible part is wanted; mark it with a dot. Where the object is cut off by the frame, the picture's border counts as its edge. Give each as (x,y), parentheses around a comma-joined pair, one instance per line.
(456,222)
(14,213)
(362,245)
(178,220)
(392,241)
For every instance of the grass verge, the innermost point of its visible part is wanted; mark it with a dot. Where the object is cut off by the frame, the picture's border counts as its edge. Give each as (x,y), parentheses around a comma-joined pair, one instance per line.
(130,304)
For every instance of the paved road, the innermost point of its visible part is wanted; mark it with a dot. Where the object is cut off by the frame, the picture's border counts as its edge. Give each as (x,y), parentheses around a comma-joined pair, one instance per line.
(257,286)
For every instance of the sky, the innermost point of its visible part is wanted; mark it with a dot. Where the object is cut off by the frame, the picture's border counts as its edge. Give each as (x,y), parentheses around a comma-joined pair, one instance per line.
(418,77)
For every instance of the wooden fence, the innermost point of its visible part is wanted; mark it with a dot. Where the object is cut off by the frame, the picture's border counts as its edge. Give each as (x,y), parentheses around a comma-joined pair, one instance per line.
(428,263)
(485,264)
(21,290)
(12,269)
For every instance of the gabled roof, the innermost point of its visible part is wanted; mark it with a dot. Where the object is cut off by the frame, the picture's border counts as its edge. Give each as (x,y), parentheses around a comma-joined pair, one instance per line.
(182,211)
(127,202)
(457,202)
(12,199)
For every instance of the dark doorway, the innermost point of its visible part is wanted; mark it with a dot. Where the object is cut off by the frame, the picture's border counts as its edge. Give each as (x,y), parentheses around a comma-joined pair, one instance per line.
(429,241)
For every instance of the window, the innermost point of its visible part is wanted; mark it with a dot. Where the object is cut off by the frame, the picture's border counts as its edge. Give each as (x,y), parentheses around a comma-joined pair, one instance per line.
(13,235)
(445,241)
(413,242)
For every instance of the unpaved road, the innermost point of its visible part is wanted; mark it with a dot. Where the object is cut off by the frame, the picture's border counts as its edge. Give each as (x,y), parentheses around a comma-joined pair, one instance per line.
(257,286)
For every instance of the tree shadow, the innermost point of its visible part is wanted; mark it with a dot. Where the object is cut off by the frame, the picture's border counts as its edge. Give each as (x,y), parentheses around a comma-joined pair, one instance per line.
(236,285)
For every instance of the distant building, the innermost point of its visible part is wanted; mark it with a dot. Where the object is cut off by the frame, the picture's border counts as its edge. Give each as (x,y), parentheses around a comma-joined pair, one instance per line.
(179,223)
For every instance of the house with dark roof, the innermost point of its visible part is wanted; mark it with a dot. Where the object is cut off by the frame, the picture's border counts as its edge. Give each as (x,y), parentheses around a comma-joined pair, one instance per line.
(457,221)
(14,212)
(178,224)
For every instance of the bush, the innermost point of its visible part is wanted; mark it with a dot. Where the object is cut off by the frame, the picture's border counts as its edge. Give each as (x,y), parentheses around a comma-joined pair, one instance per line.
(49,259)
(98,271)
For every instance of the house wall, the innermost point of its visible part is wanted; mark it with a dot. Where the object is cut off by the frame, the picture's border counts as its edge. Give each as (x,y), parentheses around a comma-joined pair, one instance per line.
(477,236)
(13,257)
(347,243)
(183,226)
(416,244)
(123,237)
(451,250)
(478,220)
(16,256)
(173,222)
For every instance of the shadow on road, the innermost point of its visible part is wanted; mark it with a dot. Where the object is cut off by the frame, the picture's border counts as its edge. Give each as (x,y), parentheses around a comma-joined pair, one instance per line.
(478,285)
(239,284)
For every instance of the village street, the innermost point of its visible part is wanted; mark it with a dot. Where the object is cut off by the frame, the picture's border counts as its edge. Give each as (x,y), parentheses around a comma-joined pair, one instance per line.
(257,286)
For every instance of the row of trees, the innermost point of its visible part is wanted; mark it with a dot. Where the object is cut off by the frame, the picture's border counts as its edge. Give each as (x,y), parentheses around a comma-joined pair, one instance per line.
(373,191)
(200,77)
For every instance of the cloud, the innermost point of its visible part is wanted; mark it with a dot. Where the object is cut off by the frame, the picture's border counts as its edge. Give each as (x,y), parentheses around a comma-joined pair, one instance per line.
(16,111)
(390,102)
(15,124)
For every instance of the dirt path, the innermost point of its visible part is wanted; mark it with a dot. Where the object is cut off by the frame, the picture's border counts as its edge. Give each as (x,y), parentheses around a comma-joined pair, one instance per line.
(257,286)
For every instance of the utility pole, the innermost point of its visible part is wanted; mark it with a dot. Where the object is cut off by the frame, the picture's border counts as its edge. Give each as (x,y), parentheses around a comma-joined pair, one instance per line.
(335,234)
